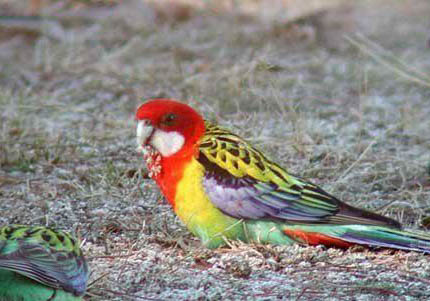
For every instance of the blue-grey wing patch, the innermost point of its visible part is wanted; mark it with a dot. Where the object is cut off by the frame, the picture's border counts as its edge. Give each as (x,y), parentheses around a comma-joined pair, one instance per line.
(249,199)
(243,183)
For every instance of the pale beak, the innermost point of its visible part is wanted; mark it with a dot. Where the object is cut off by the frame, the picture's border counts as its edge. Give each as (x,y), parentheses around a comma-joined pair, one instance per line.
(144,131)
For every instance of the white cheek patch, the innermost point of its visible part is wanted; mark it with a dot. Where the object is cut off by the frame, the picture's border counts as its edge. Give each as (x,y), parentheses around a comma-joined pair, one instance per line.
(143,131)
(167,143)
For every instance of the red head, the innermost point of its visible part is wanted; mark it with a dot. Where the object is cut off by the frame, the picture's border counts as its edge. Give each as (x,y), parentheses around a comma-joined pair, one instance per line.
(170,127)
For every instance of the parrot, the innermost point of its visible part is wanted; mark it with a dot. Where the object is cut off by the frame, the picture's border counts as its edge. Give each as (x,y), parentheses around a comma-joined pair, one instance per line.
(40,264)
(224,189)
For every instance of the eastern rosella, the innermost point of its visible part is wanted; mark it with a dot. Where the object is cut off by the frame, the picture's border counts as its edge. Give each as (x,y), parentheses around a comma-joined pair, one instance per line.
(40,264)
(223,188)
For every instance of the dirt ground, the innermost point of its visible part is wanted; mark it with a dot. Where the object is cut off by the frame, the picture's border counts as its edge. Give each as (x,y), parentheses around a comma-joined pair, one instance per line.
(341,98)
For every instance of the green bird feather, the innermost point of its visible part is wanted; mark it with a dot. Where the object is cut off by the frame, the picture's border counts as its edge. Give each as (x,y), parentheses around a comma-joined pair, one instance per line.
(40,264)
(278,207)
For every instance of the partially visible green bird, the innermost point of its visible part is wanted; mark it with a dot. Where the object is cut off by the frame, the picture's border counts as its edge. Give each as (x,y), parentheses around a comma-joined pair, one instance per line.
(40,264)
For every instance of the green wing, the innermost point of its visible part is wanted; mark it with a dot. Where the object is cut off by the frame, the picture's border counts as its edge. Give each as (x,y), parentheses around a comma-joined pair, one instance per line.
(243,183)
(50,257)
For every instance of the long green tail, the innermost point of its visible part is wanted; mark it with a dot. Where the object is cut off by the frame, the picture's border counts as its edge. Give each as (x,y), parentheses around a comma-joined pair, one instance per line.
(348,235)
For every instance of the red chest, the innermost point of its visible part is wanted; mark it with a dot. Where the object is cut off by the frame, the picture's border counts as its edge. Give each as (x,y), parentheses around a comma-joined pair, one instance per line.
(167,175)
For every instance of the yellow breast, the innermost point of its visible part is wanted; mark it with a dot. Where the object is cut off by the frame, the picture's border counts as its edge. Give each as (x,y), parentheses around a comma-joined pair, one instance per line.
(196,211)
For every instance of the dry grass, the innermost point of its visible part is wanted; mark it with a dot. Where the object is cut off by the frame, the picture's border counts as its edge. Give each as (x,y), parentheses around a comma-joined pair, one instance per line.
(349,119)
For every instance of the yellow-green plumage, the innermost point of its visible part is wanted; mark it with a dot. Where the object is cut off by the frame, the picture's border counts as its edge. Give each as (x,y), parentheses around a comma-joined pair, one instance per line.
(39,263)
(314,212)
(237,157)
(210,224)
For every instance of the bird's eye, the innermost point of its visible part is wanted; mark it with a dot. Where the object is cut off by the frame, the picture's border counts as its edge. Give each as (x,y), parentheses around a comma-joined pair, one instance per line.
(169,119)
